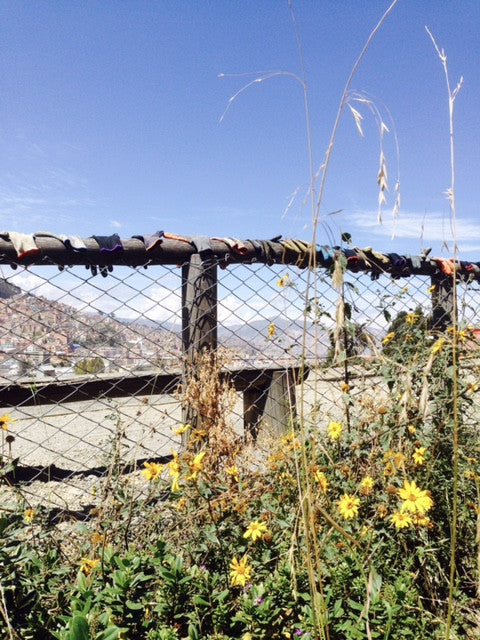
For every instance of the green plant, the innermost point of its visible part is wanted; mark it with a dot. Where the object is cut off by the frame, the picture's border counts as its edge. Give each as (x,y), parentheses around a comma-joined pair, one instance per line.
(90,366)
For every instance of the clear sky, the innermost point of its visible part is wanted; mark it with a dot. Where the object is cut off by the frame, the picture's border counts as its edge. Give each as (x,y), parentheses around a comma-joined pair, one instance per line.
(110,118)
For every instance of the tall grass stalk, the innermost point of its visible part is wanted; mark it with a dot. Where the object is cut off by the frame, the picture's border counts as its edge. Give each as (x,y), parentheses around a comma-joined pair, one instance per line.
(305,491)
(451,195)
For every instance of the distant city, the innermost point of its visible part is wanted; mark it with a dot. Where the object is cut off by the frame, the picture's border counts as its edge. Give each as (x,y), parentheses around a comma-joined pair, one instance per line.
(42,338)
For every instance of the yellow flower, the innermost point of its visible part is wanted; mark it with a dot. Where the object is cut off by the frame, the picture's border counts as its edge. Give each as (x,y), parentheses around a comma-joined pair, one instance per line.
(366,485)
(321,478)
(29,515)
(240,572)
(174,465)
(87,565)
(390,336)
(411,318)
(411,429)
(419,455)
(348,506)
(389,469)
(271,330)
(432,288)
(5,421)
(288,477)
(345,387)
(233,471)
(472,387)
(180,504)
(175,484)
(393,459)
(438,345)
(401,520)
(181,429)
(415,499)
(152,470)
(388,455)
(287,438)
(255,530)
(97,538)
(284,280)
(196,465)
(334,430)
(174,472)
(197,435)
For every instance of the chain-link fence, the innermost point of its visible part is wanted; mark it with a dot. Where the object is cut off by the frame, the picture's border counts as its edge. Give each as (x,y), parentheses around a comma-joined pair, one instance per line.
(92,369)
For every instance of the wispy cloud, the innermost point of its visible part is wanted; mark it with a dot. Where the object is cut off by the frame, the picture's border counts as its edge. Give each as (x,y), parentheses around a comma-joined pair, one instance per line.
(116,224)
(24,205)
(38,185)
(434,227)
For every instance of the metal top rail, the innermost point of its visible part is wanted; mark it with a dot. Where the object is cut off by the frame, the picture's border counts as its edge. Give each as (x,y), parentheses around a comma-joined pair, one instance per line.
(44,248)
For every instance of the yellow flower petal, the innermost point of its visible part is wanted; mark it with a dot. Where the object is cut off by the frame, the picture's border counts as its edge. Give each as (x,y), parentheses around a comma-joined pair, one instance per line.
(255,530)
(348,506)
(414,498)
(240,572)
(334,430)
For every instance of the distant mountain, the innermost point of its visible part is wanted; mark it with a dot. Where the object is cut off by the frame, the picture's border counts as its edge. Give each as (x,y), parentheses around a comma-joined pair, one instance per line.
(247,337)
(8,290)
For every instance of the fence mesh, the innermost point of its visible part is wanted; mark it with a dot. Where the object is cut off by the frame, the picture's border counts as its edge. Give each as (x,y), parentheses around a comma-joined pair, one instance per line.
(80,354)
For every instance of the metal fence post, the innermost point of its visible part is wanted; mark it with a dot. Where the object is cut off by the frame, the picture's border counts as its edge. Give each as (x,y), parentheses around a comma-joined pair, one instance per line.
(199,320)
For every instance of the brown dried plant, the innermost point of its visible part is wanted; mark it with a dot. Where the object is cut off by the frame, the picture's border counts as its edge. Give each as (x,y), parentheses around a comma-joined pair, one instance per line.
(208,401)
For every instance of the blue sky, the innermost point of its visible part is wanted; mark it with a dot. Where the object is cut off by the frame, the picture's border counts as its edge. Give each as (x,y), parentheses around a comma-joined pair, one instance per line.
(110,118)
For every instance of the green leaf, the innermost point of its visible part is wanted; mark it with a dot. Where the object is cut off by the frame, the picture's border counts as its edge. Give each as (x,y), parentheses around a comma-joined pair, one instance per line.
(356,606)
(376,582)
(222,595)
(167,575)
(133,606)
(211,535)
(139,578)
(201,601)
(79,629)
(352,286)
(112,633)
(82,583)
(3,524)
(193,633)
(121,579)
(337,610)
